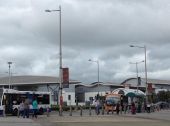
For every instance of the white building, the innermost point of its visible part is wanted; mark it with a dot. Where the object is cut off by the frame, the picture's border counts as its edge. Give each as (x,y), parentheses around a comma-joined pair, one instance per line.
(81,93)
(88,92)
(41,83)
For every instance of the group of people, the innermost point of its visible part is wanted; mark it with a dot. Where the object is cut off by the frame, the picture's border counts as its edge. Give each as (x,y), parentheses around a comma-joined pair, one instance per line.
(24,108)
(124,107)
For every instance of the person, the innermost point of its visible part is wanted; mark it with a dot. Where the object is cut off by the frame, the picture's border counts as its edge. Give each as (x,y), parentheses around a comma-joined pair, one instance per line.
(117,108)
(35,108)
(26,108)
(133,108)
(21,108)
(148,107)
(97,106)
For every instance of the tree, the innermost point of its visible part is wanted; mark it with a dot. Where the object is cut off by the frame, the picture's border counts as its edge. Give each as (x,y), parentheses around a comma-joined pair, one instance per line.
(164,96)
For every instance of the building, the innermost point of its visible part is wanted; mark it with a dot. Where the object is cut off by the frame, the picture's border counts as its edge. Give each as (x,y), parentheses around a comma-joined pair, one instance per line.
(77,93)
(41,83)
(154,85)
(88,92)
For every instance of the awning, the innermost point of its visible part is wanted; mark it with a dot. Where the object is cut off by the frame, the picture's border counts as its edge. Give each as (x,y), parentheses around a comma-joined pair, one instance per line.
(133,94)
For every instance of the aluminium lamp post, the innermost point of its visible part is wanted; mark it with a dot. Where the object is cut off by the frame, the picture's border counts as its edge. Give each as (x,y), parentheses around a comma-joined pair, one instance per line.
(136,63)
(98,74)
(97,68)
(146,79)
(60,61)
(9,65)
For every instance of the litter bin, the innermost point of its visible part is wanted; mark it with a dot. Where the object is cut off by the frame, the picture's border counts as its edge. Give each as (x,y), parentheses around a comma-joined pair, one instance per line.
(1,111)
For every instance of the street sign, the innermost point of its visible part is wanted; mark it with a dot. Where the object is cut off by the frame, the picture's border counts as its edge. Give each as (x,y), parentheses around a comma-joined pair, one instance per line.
(65,77)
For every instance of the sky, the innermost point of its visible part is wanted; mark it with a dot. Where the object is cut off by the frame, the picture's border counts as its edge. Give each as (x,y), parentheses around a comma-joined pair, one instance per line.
(100,30)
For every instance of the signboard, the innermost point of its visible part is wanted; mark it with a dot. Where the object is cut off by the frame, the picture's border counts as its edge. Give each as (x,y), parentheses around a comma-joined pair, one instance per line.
(65,77)
(150,88)
(61,100)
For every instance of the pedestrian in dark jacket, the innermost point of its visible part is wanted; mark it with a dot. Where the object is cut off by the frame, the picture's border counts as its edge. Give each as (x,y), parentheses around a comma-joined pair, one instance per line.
(117,108)
(133,108)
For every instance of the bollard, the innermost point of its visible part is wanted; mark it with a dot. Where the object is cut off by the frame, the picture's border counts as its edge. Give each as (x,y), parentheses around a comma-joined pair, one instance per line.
(4,114)
(70,111)
(48,111)
(60,111)
(120,109)
(81,111)
(18,113)
(102,110)
(90,110)
(112,110)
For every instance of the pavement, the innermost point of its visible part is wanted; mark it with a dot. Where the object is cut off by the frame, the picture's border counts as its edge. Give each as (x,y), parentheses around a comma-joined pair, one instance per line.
(54,119)
(15,121)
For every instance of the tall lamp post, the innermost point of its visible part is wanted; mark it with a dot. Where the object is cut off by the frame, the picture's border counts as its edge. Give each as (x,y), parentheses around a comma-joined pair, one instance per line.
(146,79)
(9,65)
(60,61)
(136,63)
(96,61)
(98,75)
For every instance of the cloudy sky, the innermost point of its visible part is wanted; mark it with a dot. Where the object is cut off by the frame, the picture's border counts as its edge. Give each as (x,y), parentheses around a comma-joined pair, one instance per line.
(101,30)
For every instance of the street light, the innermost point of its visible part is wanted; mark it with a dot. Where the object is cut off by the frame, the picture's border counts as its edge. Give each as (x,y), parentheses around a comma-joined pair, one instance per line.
(60,61)
(96,61)
(136,63)
(10,77)
(98,77)
(9,65)
(146,79)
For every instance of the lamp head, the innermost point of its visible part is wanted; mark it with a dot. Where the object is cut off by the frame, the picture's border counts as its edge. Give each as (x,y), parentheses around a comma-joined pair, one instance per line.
(47,10)
(132,46)
(9,62)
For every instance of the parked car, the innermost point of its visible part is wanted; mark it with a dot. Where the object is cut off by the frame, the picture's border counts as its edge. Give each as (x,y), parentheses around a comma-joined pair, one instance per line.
(162,105)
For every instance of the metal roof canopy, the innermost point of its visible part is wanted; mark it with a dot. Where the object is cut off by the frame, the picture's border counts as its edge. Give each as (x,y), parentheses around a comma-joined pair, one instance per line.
(129,92)
(32,80)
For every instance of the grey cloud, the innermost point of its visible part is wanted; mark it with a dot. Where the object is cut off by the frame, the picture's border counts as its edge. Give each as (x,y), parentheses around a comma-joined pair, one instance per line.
(96,29)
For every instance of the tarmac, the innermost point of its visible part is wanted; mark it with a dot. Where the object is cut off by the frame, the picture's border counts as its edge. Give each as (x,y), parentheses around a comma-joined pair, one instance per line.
(54,118)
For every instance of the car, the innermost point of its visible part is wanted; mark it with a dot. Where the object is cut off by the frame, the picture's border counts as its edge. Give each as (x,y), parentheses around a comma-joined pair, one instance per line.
(162,105)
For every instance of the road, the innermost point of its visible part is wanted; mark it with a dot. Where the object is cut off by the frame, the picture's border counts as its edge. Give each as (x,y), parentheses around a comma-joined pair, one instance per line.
(114,124)
(161,118)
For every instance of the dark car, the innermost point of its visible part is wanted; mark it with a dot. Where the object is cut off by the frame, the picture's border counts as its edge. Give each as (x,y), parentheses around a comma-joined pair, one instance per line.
(162,105)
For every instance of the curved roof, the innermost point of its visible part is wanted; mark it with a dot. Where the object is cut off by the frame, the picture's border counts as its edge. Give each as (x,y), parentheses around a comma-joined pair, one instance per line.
(128,91)
(100,83)
(153,81)
(21,80)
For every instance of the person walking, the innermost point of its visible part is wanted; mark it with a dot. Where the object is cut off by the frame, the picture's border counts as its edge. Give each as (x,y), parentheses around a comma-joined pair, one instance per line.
(21,109)
(35,108)
(26,108)
(97,107)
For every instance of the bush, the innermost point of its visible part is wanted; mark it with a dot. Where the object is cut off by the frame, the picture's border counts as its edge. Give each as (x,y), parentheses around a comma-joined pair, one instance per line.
(54,107)
(67,108)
